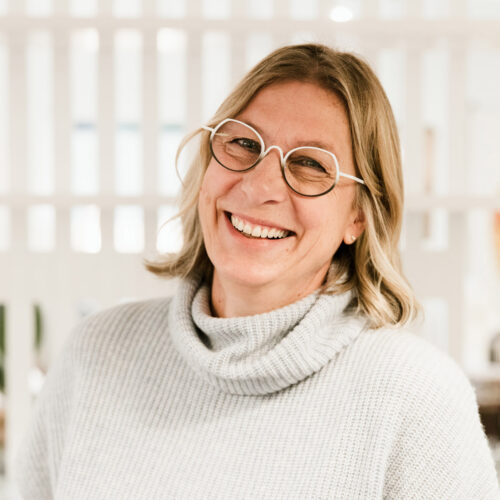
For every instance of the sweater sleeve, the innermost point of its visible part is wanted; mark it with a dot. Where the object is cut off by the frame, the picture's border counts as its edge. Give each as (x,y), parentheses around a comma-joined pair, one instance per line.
(40,451)
(441,450)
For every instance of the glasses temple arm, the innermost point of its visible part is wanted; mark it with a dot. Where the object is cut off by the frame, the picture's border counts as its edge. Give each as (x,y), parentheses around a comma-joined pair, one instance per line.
(357,179)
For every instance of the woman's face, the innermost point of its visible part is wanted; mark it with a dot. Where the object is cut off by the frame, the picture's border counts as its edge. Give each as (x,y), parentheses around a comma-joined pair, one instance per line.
(288,115)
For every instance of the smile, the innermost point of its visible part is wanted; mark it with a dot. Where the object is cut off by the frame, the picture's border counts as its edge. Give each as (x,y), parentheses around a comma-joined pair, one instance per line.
(257,231)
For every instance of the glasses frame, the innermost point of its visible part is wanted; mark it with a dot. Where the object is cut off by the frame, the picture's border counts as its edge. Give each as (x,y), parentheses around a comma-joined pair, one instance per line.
(283,157)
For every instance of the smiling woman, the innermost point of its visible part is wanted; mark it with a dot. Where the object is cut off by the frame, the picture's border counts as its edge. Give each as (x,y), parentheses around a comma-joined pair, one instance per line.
(281,368)
(339,107)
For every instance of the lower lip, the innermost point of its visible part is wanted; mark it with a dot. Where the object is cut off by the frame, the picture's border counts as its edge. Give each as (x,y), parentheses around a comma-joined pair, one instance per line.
(253,241)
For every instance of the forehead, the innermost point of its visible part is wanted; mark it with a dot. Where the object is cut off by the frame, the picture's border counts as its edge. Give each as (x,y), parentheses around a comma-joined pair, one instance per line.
(299,112)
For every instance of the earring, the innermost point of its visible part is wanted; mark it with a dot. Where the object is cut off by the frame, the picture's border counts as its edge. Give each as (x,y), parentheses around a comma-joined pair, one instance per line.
(353,238)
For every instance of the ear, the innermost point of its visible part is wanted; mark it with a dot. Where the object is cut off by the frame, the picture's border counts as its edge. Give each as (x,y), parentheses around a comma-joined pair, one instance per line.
(356,227)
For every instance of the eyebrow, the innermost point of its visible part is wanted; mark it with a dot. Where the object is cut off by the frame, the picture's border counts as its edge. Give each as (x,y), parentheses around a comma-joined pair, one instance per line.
(316,144)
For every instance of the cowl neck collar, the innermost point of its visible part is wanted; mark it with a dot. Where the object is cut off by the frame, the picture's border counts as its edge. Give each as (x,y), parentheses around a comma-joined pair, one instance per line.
(263,353)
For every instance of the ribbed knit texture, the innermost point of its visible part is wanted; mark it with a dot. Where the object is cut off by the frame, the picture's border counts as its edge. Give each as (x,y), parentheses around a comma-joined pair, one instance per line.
(159,400)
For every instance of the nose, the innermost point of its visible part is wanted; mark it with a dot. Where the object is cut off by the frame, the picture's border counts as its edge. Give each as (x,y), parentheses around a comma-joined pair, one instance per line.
(264,183)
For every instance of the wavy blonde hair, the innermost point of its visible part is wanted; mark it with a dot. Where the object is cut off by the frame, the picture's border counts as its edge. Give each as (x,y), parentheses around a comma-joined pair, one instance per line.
(371,265)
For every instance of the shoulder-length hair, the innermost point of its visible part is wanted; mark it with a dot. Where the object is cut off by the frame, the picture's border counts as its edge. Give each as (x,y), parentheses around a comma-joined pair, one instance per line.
(372,264)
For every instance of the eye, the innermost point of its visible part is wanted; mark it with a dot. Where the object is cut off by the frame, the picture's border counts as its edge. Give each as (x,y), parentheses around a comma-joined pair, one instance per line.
(306,162)
(247,144)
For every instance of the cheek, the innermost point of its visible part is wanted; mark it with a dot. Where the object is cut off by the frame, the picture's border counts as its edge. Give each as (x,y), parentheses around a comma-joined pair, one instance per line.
(215,186)
(204,198)
(209,192)
(217,181)
(323,223)
(208,185)
(206,203)
(316,217)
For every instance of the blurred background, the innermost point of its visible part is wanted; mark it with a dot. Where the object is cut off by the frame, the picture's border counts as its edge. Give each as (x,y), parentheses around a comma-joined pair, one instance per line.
(96,95)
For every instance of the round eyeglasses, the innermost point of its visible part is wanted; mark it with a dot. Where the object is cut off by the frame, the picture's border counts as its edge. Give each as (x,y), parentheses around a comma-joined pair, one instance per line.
(307,170)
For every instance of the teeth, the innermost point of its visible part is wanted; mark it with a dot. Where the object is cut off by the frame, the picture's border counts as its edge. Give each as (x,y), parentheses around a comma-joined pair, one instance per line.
(257,231)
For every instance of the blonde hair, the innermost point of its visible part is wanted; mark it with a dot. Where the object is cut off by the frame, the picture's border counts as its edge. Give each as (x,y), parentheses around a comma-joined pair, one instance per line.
(371,265)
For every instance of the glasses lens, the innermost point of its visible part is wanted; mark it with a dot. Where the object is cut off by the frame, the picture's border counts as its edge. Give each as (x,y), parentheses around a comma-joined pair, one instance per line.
(310,171)
(236,146)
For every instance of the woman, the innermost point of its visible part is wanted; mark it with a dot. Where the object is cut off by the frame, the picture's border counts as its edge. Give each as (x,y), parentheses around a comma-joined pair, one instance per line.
(280,369)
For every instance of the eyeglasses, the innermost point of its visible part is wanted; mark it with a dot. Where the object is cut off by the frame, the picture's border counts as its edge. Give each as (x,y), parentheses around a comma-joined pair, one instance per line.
(307,170)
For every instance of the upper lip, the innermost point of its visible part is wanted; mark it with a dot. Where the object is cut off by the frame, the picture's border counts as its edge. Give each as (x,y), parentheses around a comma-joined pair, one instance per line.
(260,222)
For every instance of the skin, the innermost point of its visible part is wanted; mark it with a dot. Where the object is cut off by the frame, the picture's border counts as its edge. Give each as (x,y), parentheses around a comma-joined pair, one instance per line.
(253,276)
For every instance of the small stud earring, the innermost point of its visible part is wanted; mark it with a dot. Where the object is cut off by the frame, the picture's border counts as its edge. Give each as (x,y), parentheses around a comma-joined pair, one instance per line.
(353,238)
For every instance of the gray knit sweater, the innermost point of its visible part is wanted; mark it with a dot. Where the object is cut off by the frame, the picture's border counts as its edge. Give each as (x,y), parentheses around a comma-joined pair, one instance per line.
(159,400)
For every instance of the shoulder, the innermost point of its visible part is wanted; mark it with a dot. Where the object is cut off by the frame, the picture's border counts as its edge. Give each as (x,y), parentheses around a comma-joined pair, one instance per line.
(123,312)
(410,373)
(118,324)
(427,394)
(431,408)
(403,353)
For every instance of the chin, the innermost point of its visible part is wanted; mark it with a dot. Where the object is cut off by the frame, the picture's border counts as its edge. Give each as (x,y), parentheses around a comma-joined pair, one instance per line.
(253,275)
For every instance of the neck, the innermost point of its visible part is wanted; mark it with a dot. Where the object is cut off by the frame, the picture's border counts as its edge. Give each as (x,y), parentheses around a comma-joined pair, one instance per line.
(233,299)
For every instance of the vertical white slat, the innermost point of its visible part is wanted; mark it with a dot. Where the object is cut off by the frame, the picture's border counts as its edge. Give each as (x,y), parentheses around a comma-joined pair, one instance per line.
(325,8)
(58,305)
(17,7)
(106,215)
(62,113)
(105,8)
(458,9)
(193,67)
(370,53)
(148,10)
(19,359)
(60,7)
(458,116)
(62,136)
(369,9)
(18,116)
(150,231)
(150,112)
(5,170)
(216,70)
(258,45)
(443,277)
(282,36)
(106,132)
(237,58)
(414,9)
(194,8)
(455,284)
(238,43)
(281,9)
(18,314)
(413,136)
(18,321)
(150,131)
(238,9)
(413,228)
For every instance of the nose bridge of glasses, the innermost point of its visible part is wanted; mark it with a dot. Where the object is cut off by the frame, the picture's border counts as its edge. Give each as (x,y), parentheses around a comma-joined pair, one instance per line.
(268,178)
(280,151)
